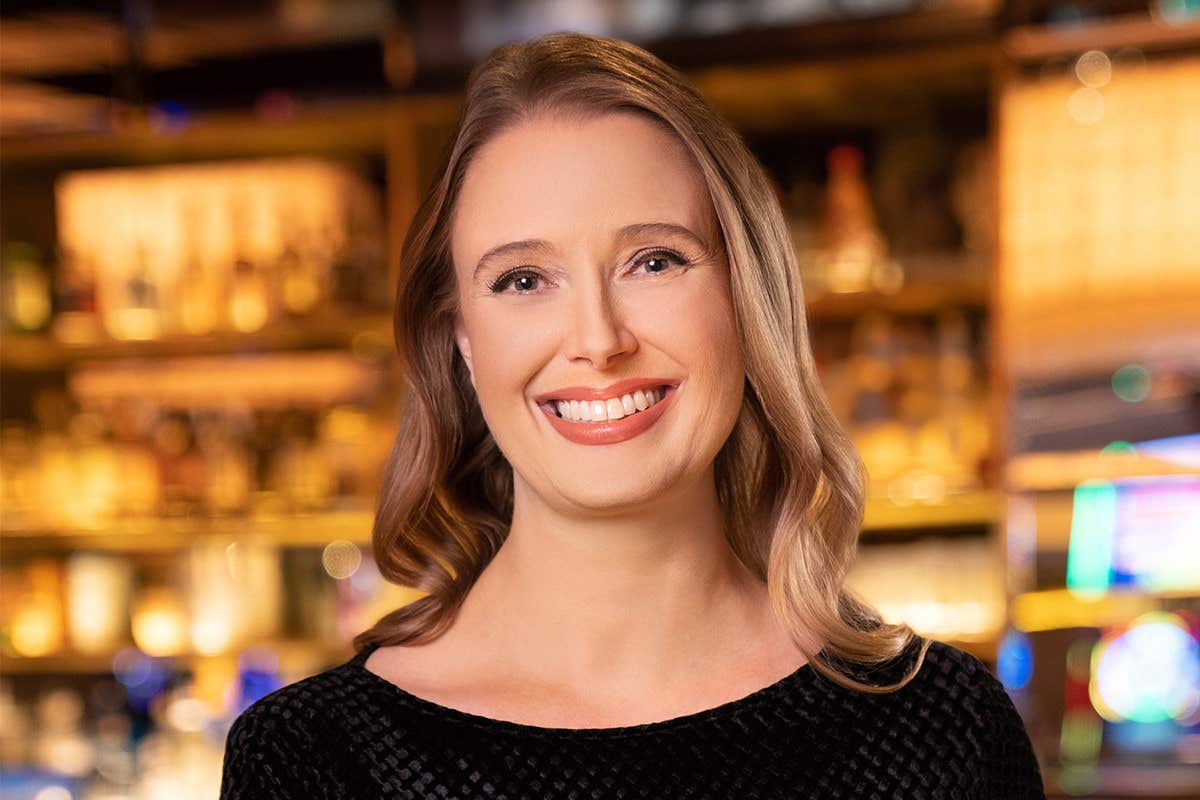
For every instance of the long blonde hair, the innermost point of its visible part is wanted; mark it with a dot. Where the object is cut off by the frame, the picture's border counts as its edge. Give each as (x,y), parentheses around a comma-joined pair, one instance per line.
(789,480)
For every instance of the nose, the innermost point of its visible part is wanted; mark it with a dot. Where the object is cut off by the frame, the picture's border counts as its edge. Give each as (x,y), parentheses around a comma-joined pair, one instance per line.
(598,331)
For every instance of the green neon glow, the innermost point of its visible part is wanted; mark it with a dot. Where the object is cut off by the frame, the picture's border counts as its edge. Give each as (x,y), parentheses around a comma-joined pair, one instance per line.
(1131,383)
(1093,524)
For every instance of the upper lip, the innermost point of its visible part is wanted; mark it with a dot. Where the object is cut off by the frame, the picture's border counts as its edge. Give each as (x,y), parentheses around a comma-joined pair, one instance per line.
(617,389)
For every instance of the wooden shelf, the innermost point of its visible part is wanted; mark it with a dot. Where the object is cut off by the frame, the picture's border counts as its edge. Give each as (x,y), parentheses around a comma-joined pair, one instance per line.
(290,651)
(968,509)
(351,127)
(167,535)
(42,352)
(1039,42)
(915,299)
(318,529)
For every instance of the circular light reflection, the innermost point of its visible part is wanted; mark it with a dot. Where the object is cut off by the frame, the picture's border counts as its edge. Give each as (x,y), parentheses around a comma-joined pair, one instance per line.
(341,559)
(131,667)
(1093,69)
(1131,383)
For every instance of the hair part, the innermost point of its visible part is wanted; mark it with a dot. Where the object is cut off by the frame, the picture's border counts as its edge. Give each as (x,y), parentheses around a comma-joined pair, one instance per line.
(789,480)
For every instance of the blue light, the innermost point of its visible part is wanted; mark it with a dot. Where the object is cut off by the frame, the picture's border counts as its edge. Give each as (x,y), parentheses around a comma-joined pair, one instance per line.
(1014,660)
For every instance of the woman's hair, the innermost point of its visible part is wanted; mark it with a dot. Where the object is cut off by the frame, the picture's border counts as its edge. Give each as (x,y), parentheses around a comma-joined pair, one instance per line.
(788,478)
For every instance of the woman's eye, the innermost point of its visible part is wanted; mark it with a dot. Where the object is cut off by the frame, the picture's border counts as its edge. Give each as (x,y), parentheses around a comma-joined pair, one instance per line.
(524,281)
(659,261)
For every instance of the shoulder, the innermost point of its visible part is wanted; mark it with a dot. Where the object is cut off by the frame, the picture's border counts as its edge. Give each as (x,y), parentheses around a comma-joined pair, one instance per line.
(953,687)
(958,691)
(280,745)
(954,675)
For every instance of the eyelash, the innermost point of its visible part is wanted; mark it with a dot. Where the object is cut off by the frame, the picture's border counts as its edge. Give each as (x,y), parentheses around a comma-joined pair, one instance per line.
(501,283)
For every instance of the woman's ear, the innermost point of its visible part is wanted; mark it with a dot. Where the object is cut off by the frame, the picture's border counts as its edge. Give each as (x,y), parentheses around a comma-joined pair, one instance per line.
(464,344)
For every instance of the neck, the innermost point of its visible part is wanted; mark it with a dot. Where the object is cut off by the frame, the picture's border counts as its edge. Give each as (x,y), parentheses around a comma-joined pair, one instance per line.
(611,600)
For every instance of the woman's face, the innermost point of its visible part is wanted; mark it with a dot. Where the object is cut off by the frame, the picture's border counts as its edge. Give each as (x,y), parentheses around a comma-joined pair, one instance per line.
(588,254)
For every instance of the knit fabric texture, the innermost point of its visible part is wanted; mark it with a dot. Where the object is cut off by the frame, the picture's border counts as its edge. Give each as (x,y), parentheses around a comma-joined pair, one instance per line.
(346,732)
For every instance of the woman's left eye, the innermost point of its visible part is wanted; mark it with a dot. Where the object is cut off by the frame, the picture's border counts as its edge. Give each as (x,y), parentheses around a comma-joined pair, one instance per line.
(659,261)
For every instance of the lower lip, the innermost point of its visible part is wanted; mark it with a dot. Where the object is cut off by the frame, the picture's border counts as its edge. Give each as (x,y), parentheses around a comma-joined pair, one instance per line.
(612,431)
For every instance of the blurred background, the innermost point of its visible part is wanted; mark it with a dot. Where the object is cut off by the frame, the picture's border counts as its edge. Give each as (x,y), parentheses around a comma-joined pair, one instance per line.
(996,209)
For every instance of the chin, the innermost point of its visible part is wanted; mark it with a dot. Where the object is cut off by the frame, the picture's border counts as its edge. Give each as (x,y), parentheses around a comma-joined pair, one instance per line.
(612,495)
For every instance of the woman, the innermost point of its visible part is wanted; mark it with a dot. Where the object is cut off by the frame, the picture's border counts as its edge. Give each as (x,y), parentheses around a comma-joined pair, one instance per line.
(621,487)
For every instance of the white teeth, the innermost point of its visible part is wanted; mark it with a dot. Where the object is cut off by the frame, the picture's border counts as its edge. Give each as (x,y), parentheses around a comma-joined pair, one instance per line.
(614,408)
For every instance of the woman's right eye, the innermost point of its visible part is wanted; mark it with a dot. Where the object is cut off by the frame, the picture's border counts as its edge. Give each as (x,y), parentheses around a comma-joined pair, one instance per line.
(524,280)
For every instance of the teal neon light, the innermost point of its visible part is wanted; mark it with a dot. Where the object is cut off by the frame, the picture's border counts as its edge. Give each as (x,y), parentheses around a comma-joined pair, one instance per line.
(1093,524)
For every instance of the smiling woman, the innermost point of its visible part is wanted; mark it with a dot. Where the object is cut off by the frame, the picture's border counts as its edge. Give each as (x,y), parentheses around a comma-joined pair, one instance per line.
(621,487)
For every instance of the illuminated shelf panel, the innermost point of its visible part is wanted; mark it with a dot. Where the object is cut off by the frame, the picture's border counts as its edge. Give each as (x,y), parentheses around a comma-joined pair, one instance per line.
(317,530)
(1066,470)
(968,509)
(295,655)
(918,295)
(167,534)
(43,352)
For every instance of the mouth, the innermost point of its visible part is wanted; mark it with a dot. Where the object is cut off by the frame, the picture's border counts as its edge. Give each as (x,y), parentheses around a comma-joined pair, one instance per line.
(597,412)
(613,419)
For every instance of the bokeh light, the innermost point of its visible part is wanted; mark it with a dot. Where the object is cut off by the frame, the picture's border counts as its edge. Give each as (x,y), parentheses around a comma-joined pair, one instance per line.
(1131,383)
(1148,672)
(1093,69)
(341,559)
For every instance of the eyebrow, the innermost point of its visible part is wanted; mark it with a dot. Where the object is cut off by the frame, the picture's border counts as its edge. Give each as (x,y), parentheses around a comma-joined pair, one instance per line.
(541,246)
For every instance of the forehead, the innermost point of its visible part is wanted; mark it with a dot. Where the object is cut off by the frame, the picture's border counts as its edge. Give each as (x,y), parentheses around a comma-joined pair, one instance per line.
(576,181)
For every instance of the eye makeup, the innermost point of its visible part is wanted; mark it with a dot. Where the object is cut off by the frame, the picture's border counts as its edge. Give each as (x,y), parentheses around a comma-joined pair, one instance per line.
(509,277)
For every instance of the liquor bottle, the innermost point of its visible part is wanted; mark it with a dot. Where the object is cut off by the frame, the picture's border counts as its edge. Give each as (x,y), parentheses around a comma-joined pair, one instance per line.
(140,317)
(369,246)
(139,490)
(249,297)
(882,439)
(76,316)
(196,311)
(308,477)
(230,469)
(180,467)
(963,410)
(26,287)
(298,269)
(854,253)
(345,271)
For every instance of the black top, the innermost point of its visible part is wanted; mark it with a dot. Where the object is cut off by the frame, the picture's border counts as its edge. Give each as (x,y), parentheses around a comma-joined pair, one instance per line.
(348,733)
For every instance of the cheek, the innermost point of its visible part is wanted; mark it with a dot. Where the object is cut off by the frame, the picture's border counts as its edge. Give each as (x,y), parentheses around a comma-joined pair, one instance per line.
(696,321)
(508,347)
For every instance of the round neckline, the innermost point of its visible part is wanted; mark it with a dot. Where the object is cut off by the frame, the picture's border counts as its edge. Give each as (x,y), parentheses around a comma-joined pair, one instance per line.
(493,725)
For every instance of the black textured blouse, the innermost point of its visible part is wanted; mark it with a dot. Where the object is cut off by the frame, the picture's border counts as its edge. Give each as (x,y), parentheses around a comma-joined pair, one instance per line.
(952,732)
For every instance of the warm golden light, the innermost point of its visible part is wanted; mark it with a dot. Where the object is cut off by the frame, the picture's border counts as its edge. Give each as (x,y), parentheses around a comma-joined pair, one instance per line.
(160,622)
(98,589)
(1098,206)
(191,248)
